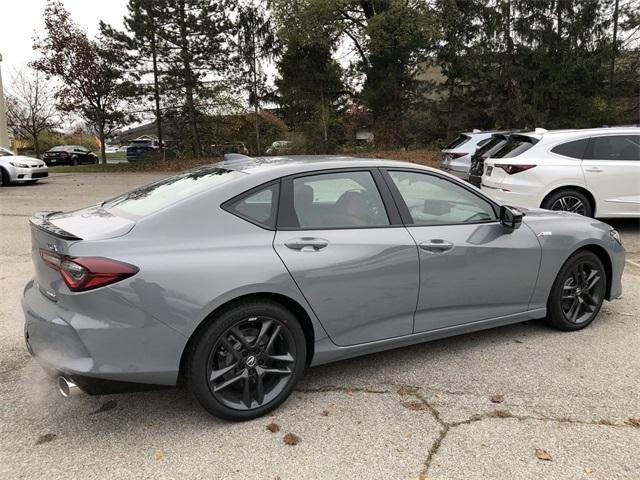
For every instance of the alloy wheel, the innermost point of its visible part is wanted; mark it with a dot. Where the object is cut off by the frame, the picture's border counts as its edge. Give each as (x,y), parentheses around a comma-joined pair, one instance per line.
(582,292)
(569,203)
(251,363)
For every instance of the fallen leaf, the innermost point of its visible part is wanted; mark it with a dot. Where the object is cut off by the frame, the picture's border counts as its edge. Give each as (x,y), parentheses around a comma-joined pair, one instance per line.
(158,455)
(415,406)
(291,439)
(325,413)
(402,391)
(273,427)
(105,407)
(47,437)
(542,454)
(349,391)
(588,470)
(498,398)
(634,422)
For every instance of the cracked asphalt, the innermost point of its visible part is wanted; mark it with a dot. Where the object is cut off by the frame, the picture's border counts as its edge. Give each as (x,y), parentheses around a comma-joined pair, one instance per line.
(420,412)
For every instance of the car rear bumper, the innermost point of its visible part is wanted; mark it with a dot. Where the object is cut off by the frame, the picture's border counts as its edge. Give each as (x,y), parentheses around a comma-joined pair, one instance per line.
(129,346)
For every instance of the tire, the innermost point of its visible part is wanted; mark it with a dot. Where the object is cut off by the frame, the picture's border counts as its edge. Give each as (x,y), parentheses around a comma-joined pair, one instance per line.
(571,290)
(4,178)
(569,200)
(74,161)
(227,349)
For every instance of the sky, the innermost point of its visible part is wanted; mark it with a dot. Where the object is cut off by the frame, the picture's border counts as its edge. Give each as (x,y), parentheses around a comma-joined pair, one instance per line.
(20,20)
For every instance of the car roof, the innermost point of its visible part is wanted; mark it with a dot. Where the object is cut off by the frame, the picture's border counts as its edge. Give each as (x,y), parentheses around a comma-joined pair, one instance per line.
(278,166)
(540,133)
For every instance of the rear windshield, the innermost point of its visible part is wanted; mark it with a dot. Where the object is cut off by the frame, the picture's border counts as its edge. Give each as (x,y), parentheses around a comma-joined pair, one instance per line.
(516,145)
(491,144)
(156,196)
(462,139)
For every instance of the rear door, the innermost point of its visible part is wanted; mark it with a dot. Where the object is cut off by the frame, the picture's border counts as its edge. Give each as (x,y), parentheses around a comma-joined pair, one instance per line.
(471,268)
(349,254)
(611,168)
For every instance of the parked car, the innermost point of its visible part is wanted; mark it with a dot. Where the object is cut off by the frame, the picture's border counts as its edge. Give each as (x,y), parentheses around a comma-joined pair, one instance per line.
(220,149)
(476,168)
(20,169)
(456,156)
(280,147)
(593,172)
(69,155)
(236,276)
(140,146)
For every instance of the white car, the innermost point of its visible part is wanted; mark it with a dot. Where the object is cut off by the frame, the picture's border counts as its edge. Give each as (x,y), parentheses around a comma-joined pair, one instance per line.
(593,172)
(456,156)
(20,169)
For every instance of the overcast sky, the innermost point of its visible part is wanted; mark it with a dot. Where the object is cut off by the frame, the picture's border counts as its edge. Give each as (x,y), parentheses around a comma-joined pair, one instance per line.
(20,20)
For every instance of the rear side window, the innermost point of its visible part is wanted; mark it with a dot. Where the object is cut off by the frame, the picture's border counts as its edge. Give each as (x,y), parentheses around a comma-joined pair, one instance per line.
(614,147)
(257,206)
(516,145)
(462,139)
(156,196)
(573,149)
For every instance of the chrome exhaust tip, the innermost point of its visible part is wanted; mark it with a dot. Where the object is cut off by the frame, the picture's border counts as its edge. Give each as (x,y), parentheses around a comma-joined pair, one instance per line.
(67,388)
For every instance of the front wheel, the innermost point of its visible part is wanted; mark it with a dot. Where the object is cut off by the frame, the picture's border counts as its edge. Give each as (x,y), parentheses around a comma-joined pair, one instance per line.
(247,360)
(577,293)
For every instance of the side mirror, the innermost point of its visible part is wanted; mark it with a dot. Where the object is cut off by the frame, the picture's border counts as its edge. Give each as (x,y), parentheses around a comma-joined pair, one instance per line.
(510,217)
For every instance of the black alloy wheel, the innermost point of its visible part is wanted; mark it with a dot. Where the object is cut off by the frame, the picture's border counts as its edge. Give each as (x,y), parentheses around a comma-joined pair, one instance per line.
(247,360)
(578,292)
(569,201)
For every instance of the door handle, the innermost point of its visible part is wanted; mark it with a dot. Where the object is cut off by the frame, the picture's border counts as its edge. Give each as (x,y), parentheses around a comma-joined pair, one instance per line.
(436,245)
(307,244)
(593,169)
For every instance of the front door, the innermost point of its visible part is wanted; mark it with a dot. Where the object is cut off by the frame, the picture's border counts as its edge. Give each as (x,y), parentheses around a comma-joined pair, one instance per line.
(611,168)
(471,268)
(356,265)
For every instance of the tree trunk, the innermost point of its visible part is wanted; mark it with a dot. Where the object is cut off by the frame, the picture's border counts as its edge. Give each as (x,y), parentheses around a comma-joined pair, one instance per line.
(101,137)
(188,79)
(612,66)
(255,100)
(36,145)
(156,90)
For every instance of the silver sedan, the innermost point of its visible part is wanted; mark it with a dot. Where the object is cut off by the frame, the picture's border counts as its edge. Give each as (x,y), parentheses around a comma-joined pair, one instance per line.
(237,275)
(20,169)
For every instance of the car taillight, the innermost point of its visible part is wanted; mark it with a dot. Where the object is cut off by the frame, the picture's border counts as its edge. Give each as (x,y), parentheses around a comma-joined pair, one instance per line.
(85,273)
(457,154)
(511,169)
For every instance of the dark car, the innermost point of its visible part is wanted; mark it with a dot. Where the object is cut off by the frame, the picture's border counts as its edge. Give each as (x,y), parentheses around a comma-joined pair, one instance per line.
(481,154)
(138,147)
(69,155)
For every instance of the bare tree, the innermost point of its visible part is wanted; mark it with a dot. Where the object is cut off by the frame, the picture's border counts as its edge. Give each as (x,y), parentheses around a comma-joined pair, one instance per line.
(31,107)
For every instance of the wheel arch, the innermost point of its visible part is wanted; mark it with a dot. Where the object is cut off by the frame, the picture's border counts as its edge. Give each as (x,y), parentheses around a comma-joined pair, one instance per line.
(590,196)
(287,302)
(3,170)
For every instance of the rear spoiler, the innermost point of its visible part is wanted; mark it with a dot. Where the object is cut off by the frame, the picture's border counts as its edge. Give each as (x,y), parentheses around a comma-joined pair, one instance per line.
(41,221)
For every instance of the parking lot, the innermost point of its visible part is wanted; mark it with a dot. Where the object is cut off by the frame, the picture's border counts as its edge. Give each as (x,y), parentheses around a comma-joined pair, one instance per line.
(517,402)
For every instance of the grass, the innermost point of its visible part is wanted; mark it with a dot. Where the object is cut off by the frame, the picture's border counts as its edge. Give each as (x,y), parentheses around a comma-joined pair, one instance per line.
(420,156)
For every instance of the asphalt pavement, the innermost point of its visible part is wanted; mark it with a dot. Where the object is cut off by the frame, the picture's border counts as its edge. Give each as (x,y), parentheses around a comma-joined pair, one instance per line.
(518,402)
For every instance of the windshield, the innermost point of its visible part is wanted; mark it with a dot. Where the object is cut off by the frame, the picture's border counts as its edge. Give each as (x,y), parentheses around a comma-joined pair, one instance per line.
(156,196)
(516,145)
(5,153)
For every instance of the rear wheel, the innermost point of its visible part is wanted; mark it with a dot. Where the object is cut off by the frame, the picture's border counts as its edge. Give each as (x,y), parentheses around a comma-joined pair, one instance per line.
(577,293)
(570,201)
(74,161)
(247,361)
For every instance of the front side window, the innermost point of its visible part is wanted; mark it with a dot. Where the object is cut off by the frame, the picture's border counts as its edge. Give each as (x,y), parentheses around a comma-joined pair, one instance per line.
(338,200)
(614,147)
(435,201)
(257,206)
(573,149)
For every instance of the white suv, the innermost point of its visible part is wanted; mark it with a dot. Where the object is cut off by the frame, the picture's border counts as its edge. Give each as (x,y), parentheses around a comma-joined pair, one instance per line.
(594,172)
(456,156)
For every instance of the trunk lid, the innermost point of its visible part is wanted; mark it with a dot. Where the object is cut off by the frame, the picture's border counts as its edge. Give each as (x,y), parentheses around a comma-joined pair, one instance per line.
(56,232)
